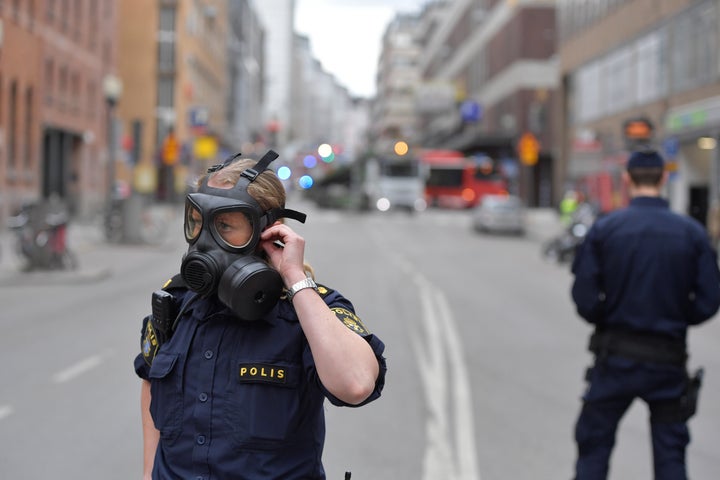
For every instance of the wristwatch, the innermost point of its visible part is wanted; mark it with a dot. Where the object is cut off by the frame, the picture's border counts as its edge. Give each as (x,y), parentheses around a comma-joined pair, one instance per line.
(301,285)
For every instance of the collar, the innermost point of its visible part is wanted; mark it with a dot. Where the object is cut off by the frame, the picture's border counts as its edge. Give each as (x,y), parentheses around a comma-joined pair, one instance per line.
(657,202)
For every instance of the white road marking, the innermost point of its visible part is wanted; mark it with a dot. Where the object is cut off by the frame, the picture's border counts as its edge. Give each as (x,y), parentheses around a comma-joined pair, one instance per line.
(77,369)
(446,383)
(5,411)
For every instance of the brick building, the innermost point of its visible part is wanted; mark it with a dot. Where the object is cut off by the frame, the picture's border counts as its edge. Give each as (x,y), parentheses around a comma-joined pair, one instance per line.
(53,58)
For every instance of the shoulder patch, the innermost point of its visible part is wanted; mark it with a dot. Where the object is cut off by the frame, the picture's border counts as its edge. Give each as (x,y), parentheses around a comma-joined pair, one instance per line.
(150,343)
(350,320)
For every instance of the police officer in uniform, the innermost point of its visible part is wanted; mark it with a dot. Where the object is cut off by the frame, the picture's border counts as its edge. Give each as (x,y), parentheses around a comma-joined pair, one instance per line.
(642,276)
(243,347)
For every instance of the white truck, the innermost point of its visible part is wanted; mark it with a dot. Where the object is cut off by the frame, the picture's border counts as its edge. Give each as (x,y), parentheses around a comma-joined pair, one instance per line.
(395,183)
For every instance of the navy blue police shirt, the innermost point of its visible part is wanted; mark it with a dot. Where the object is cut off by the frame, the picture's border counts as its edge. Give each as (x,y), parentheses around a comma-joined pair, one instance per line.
(646,269)
(241,400)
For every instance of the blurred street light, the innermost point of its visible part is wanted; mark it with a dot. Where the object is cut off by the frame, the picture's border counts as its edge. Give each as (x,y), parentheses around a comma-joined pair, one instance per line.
(112,90)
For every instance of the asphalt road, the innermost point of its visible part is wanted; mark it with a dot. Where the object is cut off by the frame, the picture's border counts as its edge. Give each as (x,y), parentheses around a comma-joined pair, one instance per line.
(485,354)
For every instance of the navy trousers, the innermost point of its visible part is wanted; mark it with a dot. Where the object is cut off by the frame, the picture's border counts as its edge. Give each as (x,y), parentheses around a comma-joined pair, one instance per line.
(613,385)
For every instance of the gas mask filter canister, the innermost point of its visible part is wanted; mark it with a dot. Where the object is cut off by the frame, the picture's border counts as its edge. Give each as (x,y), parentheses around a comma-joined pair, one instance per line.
(223,227)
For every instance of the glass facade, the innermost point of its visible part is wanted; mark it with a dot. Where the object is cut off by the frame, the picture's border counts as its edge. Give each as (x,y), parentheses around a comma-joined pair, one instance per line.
(679,55)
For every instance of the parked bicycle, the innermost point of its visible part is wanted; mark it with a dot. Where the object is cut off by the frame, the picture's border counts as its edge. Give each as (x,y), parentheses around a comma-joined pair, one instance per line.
(41,238)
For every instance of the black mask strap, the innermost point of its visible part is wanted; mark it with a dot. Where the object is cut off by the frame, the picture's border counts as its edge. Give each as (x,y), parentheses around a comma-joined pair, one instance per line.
(276,213)
(252,173)
(220,166)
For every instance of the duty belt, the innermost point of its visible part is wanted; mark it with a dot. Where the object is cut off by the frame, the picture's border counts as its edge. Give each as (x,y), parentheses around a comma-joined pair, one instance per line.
(640,346)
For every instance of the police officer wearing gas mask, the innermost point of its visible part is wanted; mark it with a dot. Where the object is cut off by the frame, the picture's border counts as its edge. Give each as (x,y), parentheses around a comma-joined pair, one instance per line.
(242,346)
(643,275)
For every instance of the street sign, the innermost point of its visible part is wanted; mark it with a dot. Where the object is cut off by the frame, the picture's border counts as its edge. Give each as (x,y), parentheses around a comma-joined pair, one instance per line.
(205,147)
(470,111)
(528,149)
(671,147)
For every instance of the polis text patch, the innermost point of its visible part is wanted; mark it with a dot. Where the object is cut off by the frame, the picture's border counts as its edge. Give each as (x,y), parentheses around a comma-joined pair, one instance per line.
(262,372)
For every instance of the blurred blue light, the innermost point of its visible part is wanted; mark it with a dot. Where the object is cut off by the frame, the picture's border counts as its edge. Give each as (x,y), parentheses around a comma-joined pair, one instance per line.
(305,182)
(310,161)
(284,173)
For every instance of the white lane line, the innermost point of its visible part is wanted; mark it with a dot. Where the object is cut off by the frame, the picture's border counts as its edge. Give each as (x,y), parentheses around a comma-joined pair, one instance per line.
(5,411)
(77,369)
(442,366)
(462,395)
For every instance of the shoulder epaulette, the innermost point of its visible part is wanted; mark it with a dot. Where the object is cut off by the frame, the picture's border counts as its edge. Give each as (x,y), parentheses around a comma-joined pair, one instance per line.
(175,282)
(323,290)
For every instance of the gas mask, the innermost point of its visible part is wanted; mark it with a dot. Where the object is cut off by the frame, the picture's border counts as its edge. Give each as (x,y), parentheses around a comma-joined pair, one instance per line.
(222,227)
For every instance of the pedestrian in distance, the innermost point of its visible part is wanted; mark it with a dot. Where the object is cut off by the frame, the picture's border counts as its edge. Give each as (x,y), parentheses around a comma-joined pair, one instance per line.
(642,276)
(243,347)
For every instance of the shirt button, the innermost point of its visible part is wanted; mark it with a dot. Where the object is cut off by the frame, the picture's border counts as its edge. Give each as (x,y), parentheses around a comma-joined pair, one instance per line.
(201,439)
(208,354)
(203,397)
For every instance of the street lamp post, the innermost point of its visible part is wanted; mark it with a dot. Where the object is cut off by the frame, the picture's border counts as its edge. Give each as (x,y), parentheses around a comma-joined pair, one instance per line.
(112,90)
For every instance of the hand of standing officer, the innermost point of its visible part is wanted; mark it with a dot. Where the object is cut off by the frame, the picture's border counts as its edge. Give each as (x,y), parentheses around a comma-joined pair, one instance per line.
(345,362)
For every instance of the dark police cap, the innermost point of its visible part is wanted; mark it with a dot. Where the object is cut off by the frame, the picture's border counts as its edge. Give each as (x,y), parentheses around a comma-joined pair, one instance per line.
(645,159)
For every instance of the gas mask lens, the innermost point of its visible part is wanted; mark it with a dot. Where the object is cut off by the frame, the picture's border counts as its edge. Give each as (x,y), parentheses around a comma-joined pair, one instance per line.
(231,226)
(193,222)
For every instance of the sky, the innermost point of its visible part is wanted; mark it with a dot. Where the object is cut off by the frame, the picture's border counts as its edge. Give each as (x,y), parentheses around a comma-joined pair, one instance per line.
(346,36)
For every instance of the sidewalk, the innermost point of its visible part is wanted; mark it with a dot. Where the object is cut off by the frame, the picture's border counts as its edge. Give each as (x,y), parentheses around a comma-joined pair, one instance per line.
(87,240)
(82,238)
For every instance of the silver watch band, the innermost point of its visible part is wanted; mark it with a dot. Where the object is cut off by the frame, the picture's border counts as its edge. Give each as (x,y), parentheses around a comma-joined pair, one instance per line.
(301,285)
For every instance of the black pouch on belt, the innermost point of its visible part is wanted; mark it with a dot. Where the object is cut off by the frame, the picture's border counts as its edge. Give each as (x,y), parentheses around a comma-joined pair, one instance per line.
(680,409)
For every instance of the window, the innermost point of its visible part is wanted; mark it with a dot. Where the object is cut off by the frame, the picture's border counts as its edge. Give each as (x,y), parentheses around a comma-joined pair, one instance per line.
(62,90)
(167,19)
(166,56)
(619,77)
(589,104)
(694,51)
(166,87)
(651,57)
(27,160)
(49,81)
(78,18)
(12,127)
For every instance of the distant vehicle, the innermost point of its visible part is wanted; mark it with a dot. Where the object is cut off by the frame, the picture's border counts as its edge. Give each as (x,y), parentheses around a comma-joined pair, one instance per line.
(457,181)
(395,182)
(500,214)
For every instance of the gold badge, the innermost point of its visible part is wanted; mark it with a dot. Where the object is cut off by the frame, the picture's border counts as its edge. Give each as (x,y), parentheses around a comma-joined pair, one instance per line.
(350,320)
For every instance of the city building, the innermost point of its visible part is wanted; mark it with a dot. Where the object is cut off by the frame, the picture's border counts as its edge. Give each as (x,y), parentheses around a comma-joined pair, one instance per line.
(53,58)
(174,114)
(278,19)
(394,113)
(490,77)
(656,60)
(246,62)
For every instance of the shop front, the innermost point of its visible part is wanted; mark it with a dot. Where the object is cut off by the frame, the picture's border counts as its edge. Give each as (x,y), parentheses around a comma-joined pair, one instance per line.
(690,146)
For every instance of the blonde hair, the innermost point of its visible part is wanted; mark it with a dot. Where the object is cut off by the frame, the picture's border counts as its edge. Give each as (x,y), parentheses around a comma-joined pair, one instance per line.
(266,189)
